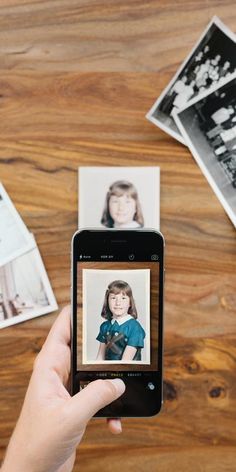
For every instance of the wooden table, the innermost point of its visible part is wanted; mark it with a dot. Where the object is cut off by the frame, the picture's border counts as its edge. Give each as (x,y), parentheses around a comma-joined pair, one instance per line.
(77,79)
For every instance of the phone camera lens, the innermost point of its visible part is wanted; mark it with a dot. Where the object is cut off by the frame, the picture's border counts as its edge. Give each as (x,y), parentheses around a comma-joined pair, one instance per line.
(131,257)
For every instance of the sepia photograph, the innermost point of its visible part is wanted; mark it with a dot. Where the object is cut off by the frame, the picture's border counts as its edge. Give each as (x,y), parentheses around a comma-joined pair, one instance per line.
(209,128)
(25,290)
(15,239)
(116,316)
(210,62)
(119,197)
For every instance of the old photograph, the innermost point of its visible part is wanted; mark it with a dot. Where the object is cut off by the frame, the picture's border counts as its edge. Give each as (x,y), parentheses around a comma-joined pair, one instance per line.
(209,128)
(119,197)
(211,60)
(25,290)
(15,239)
(116,316)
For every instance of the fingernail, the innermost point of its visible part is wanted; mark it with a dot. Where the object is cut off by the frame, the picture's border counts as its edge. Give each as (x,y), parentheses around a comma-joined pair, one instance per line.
(118,428)
(119,385)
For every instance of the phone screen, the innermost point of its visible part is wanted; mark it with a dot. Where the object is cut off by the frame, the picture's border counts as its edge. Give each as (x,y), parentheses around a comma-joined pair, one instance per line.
(118,316)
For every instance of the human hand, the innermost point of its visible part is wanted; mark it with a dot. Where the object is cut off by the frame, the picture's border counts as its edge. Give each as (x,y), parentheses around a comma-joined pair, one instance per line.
(52,423)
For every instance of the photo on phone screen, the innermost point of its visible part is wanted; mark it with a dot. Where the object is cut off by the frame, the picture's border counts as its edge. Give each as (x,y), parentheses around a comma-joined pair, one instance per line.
(117,315)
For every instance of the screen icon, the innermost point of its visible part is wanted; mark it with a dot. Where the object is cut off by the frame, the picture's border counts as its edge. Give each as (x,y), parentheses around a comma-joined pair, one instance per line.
(154,257)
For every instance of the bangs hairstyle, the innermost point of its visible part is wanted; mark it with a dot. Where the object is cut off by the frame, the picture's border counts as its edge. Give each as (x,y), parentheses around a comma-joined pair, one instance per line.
(115,287)
(119,188)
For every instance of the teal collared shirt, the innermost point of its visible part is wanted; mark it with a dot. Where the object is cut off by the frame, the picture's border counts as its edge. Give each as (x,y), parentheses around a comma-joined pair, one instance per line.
(117,336)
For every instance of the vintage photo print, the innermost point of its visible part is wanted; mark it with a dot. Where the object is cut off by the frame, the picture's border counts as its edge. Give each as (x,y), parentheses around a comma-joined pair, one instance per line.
(116,316)
(25,290)
(209,128)
(15,239)
(211,60)
(119,197)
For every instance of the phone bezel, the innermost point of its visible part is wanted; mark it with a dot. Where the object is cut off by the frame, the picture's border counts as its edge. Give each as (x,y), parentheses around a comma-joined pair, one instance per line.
(102,238)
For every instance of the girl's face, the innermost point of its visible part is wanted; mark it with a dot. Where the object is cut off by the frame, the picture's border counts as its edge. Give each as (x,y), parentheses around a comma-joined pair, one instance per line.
(122,209)
(119,304)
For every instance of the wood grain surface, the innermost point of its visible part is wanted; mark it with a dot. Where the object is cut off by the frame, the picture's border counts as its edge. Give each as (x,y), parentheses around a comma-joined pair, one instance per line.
(76,81)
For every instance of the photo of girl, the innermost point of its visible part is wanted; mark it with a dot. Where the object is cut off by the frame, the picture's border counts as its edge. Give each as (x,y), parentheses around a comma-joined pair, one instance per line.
(114,318)
(122,206)
(121,336)
(119,197)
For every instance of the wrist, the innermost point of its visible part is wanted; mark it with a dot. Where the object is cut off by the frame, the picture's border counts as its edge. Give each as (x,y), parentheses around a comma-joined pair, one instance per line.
(15,461)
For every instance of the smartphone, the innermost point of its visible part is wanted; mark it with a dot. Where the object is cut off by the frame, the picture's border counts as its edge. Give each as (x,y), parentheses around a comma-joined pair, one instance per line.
(117,316)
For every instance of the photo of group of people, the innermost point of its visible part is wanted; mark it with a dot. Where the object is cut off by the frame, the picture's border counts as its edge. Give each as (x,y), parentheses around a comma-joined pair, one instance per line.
(25,290)
(209,128)
(198,108)
(119,197)
(211,61)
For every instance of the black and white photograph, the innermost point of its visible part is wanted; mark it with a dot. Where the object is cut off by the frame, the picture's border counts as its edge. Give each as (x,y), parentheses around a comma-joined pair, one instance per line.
(25,290)
(210,62)
(116,316)
(119,197)
(15,239)
(209,128)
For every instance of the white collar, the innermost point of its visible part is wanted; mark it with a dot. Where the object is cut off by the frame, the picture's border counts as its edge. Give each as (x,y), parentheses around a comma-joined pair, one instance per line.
(131,224)
(123,320)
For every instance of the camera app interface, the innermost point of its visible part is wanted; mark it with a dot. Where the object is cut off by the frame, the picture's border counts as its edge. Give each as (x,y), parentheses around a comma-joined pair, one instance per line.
(117,314)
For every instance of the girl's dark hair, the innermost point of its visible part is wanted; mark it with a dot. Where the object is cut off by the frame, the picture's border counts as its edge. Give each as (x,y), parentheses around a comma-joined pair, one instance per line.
(118,189)
(115,287)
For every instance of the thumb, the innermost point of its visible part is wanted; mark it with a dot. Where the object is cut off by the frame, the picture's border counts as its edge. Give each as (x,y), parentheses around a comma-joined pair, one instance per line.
(91,399)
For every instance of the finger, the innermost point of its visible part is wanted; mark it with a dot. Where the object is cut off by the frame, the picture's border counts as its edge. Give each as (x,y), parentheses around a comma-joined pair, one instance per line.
(97,394)
(60,330)
(114,425)
(55,353)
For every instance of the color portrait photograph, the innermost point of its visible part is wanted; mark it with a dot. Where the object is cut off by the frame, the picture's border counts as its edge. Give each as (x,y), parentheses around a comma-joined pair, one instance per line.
(116,316)
(119,197)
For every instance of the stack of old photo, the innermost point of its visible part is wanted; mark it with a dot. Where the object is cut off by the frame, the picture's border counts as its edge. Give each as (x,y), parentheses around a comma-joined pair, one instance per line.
(25,291)
(119,197)
(198,108)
